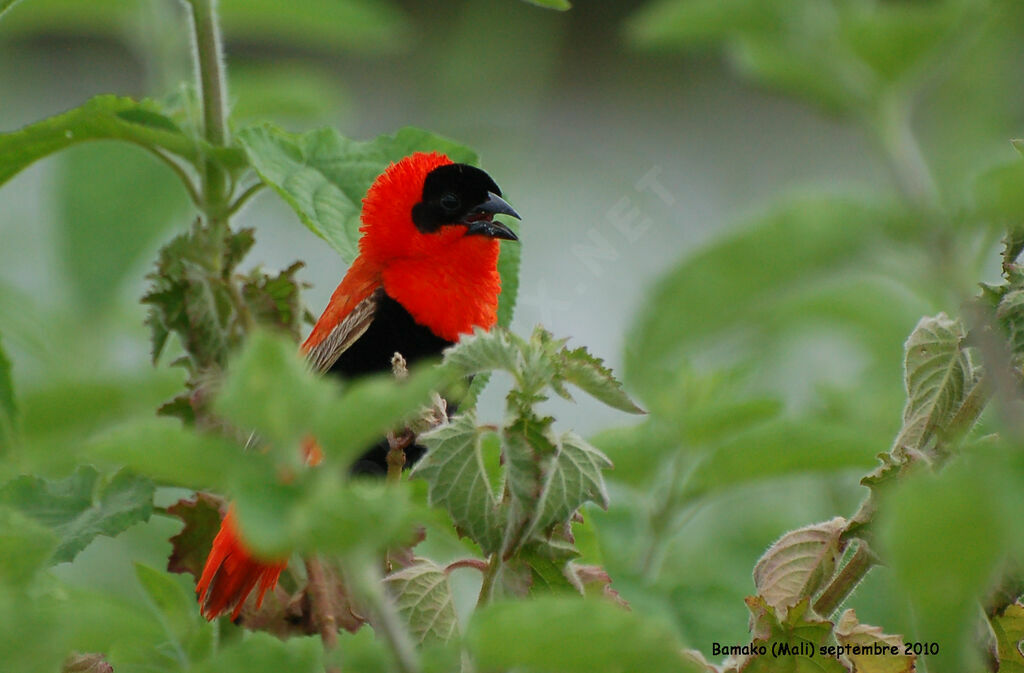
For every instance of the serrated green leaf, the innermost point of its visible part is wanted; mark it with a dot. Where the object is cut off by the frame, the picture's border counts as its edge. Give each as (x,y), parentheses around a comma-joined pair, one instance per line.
(25,546)
(323,176)
(526,443)
(455,471)
(849,631)
(797,565)
(570,478)
(938,375)
(798,629)
(423,596)
(485,351)
(572,635)
(589,374)
(1008,627)
(102,117)
(8,407)
(82,506)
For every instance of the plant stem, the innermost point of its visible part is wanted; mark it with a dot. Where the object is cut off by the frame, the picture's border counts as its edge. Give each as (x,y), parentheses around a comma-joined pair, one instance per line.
(844,583)
(901,149)
(245,196)
(493,565)
(467,563)
(212,85)
(320,603)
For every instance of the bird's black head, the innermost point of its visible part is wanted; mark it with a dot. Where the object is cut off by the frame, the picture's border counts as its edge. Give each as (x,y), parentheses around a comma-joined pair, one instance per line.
(462,195)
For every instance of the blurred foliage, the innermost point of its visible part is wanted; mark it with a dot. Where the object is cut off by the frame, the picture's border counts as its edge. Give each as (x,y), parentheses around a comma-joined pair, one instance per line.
(768,363)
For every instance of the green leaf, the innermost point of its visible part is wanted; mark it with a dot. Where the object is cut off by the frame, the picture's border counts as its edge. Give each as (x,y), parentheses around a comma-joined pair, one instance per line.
(171,454)
(486,351)
(269,389)
(668,23)
(572,635)
(373,405)
(81,506)
(25,546)
(8,407)
(264,653)
(719,294)
(938,375)
(781,448)
(292,92)
(423,596)
(849,631)
(274,300)
(798,564)
(191,295)
(589,374)
(999,193)
(175,604)
(527,442)
(323,176)
(455,469)
(508,268)
(571,477)
(797,629)
(1008,627)
(5,5)
(918,522)
(893,40)
(812,66)
(113,202)
(321,512)
(320,24)
(560,5)
(102,117)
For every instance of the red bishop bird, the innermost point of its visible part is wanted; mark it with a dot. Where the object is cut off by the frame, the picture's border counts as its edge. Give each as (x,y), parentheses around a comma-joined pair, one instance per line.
(426,273)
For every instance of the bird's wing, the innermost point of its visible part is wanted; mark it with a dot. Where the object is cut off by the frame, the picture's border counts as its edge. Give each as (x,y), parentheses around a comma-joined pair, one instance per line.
(347,317)
(324,354)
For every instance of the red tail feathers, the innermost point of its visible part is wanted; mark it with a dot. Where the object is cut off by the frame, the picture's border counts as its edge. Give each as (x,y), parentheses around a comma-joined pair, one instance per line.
(232,572)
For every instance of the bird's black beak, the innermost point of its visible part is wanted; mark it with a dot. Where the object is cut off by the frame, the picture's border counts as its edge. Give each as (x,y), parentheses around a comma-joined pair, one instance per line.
(480,220)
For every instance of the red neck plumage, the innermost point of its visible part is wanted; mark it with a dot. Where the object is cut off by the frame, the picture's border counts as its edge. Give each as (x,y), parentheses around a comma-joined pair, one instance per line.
(447,280)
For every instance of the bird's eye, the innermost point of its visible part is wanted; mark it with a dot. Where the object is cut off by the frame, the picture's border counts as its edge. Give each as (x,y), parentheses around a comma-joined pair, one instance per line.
(450,202)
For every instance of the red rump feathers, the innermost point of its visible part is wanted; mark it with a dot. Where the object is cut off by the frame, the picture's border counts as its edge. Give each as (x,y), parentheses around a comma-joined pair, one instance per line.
(232,572)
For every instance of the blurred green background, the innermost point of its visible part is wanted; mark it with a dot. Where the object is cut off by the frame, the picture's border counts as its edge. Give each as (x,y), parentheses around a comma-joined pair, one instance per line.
(624,136)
